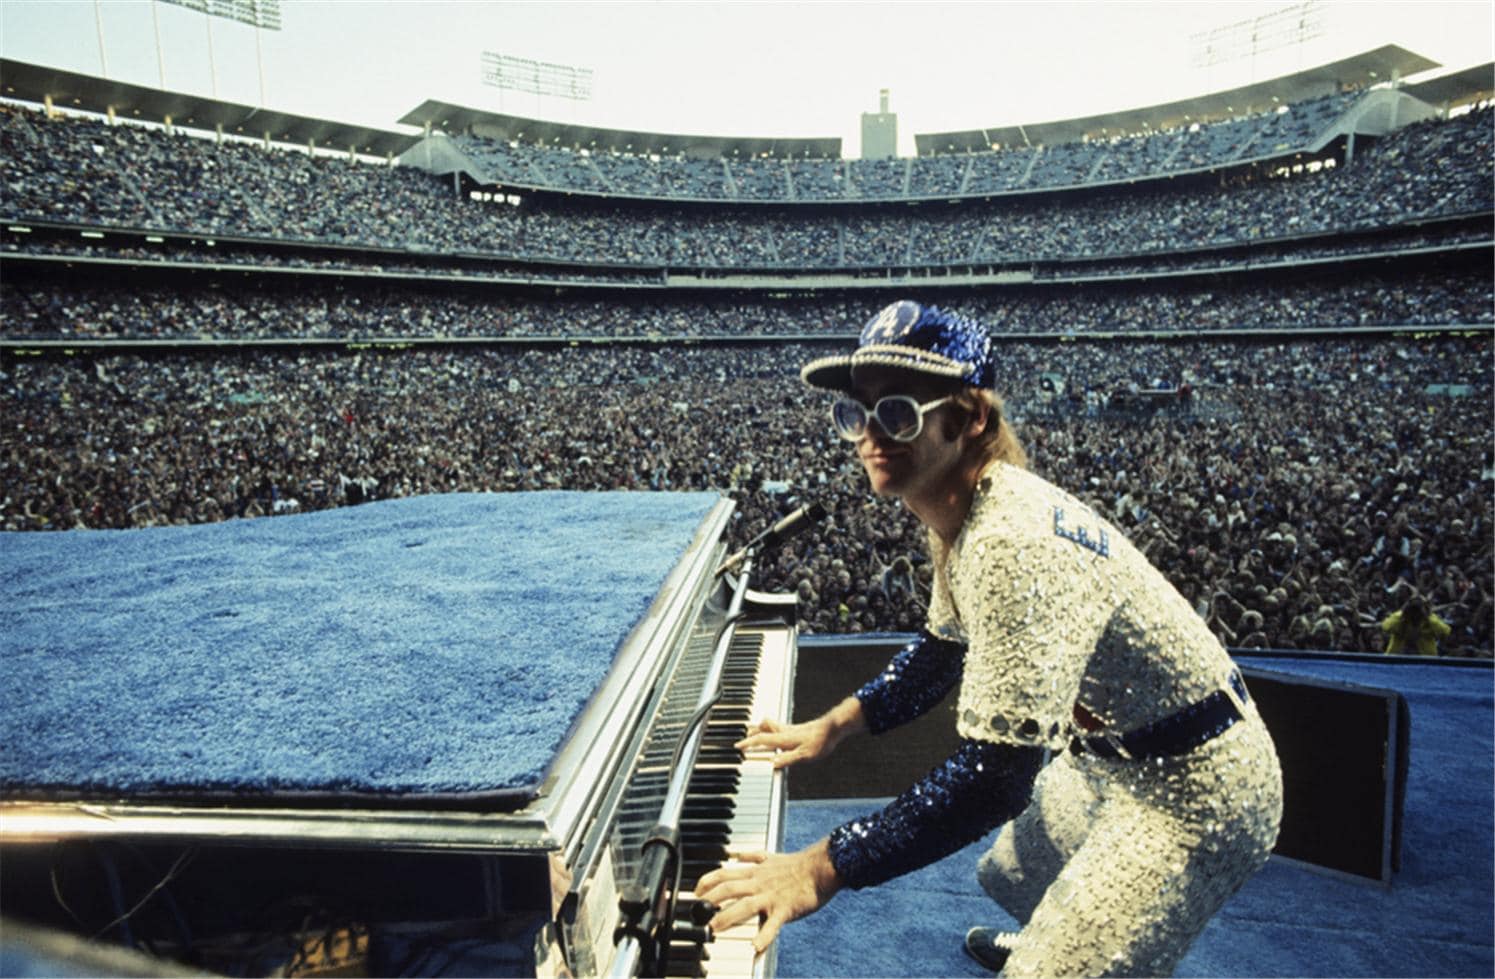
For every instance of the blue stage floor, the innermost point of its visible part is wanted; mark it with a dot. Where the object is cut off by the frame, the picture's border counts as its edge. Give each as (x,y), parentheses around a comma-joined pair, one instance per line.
(1435,919)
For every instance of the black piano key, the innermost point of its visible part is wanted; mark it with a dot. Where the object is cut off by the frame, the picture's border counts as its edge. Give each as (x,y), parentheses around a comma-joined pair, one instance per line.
(683,931)
(692,871)
(720,780)
(709,852)
(687,962)
(721,828)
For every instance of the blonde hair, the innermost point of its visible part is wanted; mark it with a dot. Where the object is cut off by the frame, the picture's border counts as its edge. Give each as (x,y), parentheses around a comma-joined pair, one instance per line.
(998,443)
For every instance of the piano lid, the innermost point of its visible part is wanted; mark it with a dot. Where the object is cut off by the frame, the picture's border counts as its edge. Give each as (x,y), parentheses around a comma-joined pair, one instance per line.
(451,670)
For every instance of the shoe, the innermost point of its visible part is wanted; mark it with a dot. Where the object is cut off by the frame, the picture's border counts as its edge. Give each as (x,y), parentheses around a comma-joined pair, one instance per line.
(989,947)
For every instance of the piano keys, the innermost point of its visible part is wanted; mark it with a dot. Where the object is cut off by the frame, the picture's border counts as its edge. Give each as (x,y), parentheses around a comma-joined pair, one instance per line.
(732,804)
(737,803)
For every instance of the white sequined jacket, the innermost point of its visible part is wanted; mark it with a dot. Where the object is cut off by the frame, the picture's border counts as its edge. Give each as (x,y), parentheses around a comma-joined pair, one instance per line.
(1057,609)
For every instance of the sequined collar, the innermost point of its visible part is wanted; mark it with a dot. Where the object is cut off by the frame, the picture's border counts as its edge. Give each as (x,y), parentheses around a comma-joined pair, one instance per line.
(982,497)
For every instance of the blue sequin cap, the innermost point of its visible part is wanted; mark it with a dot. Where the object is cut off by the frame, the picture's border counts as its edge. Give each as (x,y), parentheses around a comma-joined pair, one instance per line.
(919,338)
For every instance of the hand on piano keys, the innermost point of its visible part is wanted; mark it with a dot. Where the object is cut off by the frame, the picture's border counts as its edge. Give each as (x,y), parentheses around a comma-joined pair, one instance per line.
(789,744)
(785,744)
(735,806)
(771,889)
(710,954)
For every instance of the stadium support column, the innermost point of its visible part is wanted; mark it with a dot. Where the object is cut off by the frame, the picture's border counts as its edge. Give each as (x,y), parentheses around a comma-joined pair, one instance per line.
(259,58)
(212,64)
(98,20)
(160,57)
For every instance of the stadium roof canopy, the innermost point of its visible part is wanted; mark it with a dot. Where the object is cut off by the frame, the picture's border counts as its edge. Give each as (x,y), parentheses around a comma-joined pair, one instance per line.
(445,117)
(1384,64)
(1457,87)
(69,90)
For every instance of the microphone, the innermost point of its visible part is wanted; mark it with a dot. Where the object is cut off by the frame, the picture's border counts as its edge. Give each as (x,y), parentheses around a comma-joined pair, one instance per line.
(777,534)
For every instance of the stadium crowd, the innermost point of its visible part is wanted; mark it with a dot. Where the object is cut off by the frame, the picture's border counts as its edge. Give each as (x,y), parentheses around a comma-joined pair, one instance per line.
(81,171)
(1288,519)
(271,307)
(660,174)
(1447,239)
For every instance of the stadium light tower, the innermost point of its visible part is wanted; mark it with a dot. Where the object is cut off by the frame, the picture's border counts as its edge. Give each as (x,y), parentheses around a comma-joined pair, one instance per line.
(538,78)
(262,15)
(1292,26)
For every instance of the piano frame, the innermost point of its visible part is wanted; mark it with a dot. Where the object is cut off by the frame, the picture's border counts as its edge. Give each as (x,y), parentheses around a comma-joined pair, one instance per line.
(553,821)
(565,825)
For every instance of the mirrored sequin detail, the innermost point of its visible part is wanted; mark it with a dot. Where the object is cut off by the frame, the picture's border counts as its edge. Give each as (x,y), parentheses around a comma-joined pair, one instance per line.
(980,786)
(1052,618)
(916,679)
(1116,866)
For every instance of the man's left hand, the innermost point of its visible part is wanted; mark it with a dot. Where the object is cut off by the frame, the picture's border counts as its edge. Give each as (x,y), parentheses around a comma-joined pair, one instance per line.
(775,888)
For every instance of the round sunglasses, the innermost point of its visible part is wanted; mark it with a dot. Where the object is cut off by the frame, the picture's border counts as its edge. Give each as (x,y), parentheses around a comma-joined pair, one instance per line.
(899,415)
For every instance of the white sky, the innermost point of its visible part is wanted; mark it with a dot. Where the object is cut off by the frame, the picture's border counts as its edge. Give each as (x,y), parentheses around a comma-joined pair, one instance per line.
(803,69)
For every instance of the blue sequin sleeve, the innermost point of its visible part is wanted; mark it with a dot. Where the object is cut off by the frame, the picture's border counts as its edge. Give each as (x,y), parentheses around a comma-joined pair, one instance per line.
(976,789)
(916,679)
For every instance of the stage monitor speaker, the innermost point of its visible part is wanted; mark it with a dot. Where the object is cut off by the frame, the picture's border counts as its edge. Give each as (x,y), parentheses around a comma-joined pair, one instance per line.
(1343,749)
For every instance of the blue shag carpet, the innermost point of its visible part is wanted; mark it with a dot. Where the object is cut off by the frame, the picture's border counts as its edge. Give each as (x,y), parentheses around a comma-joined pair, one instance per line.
(1435,919)
(437,647)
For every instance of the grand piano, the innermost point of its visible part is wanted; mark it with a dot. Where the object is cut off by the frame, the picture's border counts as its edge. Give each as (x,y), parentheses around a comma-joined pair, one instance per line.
(581,865)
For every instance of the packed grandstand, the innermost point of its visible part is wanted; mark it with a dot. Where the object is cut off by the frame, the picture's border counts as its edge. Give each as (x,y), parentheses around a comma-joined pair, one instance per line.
(1261,344)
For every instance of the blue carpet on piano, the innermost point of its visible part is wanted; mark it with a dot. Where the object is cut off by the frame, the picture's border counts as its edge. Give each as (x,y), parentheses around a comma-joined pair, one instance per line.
(1437,917)
(430,647)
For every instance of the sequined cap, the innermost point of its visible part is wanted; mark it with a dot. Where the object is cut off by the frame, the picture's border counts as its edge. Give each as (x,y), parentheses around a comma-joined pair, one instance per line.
(913,337)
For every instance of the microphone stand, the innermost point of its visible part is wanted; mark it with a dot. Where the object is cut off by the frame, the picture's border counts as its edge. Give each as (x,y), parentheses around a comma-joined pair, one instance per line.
(775,535)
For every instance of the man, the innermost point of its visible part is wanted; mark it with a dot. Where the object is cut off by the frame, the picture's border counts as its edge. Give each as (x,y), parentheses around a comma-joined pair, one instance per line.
(1414,628)
(1101,724)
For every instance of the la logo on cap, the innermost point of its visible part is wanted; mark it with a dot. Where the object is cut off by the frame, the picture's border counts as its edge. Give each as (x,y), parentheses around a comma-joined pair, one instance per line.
(893,322)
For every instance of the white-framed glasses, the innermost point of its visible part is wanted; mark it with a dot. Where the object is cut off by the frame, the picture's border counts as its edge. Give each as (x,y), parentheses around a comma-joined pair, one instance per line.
(899,415)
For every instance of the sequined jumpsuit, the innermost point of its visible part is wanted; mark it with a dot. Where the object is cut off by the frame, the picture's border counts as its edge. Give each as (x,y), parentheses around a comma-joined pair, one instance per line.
(1058,629)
